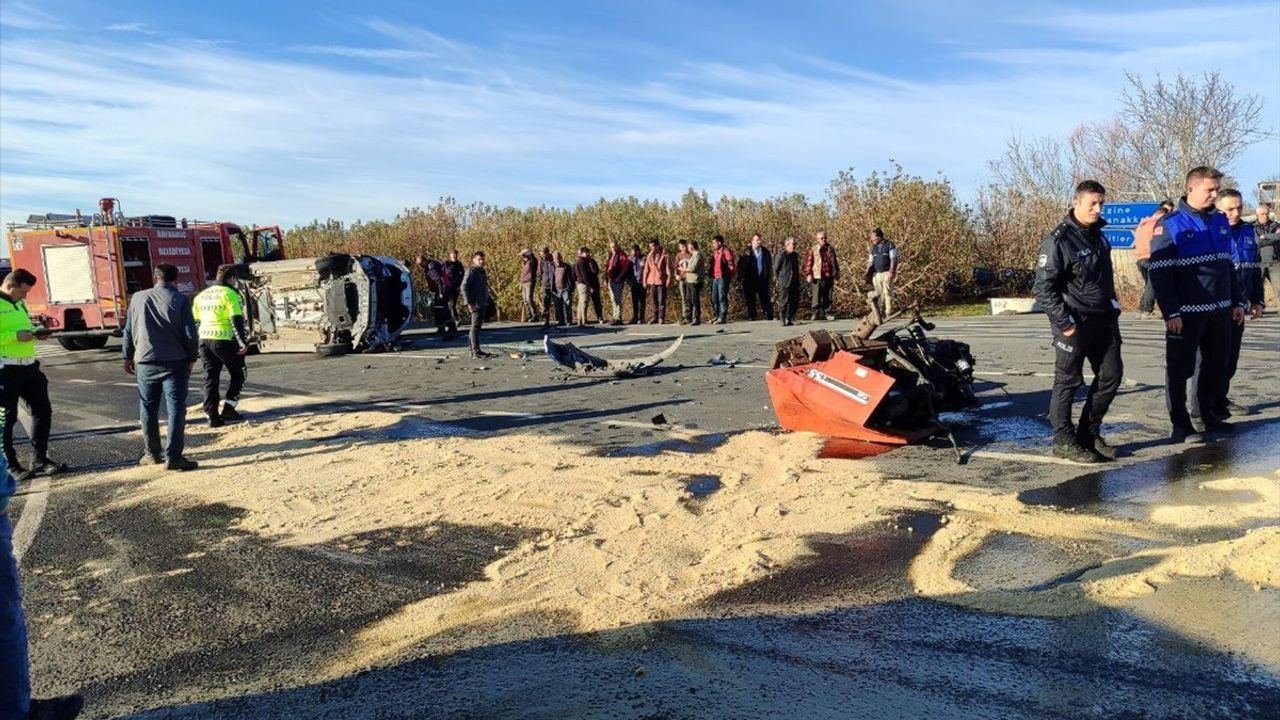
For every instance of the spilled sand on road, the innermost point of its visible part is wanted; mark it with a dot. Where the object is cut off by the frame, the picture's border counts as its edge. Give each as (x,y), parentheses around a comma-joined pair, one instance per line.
(619,540)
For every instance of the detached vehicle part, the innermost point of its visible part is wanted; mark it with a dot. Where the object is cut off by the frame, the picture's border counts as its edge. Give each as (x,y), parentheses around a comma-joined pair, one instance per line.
(331,305)
(571,357)
(884,389)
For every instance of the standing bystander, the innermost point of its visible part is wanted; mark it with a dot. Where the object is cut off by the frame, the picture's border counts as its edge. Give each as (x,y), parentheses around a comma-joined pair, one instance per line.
(160,348)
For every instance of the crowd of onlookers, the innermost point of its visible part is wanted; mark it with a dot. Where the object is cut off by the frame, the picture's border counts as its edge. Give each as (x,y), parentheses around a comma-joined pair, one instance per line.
(641,282)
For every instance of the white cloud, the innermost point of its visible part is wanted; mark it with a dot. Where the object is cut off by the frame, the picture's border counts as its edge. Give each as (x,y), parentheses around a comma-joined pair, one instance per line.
(133,27)
(24,16)
(208,131)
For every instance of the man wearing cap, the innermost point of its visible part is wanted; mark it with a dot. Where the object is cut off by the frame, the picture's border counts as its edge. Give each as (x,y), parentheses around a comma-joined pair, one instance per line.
(20,376)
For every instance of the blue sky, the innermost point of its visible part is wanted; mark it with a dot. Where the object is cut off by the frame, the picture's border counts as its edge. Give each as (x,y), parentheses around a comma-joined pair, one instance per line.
(287,111)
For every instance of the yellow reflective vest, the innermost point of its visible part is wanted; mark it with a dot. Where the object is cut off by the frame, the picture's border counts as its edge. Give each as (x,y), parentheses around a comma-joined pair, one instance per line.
(214,308)
(14,319)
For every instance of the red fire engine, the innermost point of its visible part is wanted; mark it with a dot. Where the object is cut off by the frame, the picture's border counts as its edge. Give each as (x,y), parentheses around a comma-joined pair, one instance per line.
(88,267)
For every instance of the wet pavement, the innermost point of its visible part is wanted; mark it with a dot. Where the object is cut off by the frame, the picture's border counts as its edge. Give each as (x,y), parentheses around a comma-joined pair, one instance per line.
(162,611)
(1130,491)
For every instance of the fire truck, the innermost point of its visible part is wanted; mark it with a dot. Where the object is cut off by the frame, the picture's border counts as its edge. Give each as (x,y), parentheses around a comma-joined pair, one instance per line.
(88,267)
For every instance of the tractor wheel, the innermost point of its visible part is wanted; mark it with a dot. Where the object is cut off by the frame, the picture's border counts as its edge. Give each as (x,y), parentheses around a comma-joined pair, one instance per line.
(335,350)
(333,264)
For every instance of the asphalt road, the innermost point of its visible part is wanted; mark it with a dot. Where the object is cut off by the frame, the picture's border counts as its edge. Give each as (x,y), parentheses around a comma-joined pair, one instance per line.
(160,612)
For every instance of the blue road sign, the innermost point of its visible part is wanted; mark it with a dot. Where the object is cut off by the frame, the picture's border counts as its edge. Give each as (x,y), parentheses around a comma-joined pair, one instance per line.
(1119,238)
(1127,215)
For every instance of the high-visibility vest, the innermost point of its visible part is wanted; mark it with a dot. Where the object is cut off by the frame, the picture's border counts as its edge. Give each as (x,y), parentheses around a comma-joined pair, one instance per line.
(13,320)
(214,308)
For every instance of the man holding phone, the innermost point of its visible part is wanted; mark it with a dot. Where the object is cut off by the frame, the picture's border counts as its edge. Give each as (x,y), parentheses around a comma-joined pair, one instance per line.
(20,376)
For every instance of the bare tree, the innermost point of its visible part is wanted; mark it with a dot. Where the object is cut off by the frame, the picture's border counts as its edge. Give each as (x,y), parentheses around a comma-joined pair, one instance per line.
(1165,128)
(1039,167)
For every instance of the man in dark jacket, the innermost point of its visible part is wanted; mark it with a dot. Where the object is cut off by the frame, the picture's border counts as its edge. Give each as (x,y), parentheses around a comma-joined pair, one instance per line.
(755,266)
(475,291)
(562,279)
(528,276)
(1195,281)
(786,269)
(1266,232)
(451,282)
(1075,286)
(160,348)
(587,273)
(882,269)
(547,281)
(636,281)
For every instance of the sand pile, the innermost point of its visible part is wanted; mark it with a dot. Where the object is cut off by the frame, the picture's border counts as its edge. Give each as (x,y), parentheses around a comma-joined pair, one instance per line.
(619,541)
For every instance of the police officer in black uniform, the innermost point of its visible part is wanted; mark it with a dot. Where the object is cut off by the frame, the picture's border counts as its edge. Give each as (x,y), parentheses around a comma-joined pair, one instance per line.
(1076,288)
(1200,296)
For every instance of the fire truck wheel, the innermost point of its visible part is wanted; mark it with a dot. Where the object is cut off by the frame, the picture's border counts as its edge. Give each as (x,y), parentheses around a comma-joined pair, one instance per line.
(91,343)
(69,344)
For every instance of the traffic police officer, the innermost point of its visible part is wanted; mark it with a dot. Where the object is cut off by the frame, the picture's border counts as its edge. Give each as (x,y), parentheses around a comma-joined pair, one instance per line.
(1200,297)
(1076,288)
(20,376)
(1248,263)
(224,341)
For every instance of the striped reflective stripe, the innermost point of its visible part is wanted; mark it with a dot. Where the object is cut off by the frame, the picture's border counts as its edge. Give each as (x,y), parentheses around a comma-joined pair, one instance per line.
(1193,260)
(1205,307)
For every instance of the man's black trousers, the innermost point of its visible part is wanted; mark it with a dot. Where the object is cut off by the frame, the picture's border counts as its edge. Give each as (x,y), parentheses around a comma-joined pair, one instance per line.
(1096,339)
(757,291)
(215,355)
(1209,336)
(26,383)
(790,302)
(1228,373)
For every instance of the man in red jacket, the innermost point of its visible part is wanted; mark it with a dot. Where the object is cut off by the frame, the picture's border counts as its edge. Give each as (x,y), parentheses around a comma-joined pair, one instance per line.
(722,271)
(823,270)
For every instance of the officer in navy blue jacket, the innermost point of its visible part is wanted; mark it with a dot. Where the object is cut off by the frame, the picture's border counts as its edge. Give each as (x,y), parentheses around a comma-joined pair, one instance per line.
(1200,296)
(1075,286)
(1248,264)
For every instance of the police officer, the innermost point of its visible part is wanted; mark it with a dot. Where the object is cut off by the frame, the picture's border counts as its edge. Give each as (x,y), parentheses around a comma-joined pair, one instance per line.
(882,268)
(1075,286)
(20,376)
(1200,297)
(1248,264)
(224,341)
